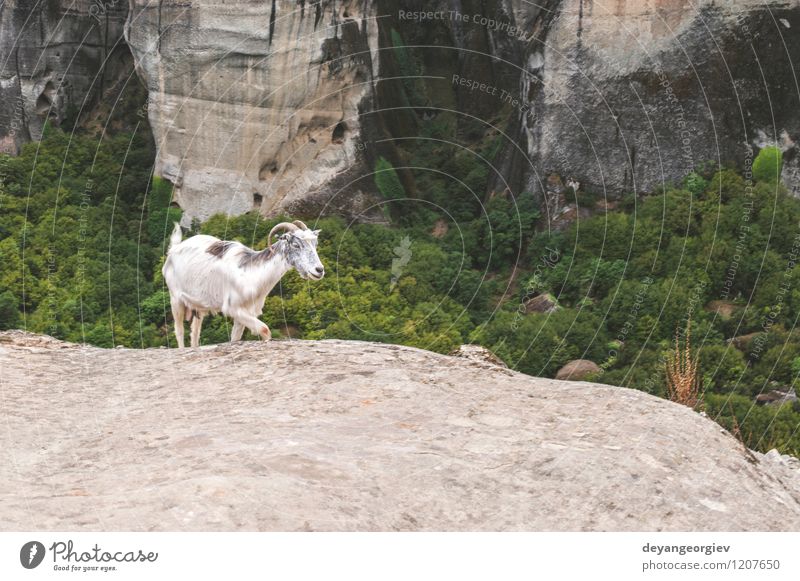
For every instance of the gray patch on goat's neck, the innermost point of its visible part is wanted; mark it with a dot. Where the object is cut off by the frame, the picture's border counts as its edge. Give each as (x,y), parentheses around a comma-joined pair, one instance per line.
(219,248)
(254,258)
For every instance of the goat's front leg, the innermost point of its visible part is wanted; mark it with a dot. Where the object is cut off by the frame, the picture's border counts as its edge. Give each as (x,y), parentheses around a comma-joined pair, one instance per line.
(237,331)
(255,325)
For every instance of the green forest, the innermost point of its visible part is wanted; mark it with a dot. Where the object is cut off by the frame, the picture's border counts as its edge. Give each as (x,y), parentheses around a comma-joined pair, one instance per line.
(83,225)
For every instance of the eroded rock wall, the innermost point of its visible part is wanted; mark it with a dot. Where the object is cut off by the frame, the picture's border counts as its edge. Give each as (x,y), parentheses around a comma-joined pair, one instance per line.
(253,104)
(629,95)
(283,106)
(57,58)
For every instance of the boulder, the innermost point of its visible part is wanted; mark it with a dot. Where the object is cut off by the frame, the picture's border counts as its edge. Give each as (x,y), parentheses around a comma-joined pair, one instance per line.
(577,369)
(543,303)
(776,397)
(783,460)
(742,342)
(478,354)
(724,309)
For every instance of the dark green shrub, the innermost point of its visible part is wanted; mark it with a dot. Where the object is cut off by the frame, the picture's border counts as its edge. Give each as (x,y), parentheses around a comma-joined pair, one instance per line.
(387,180)
(695,183)
(9,311)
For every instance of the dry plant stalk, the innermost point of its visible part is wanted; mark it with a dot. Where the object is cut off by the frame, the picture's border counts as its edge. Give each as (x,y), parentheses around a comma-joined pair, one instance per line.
(683,379)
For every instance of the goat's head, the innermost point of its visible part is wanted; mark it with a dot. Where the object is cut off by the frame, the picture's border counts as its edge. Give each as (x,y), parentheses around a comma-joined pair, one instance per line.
(299,247)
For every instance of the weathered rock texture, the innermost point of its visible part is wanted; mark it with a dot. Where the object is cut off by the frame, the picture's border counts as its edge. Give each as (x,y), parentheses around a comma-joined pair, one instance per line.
(255,105)
(478,354)
(338,435)
(57,59)
(543,303)
(284,106)
(627,96)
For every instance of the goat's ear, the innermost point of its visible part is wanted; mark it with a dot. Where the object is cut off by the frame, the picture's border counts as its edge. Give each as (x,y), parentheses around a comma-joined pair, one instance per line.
(316,232)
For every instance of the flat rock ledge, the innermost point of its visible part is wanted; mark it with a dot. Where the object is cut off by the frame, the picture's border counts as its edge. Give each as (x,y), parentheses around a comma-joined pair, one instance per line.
(345,435)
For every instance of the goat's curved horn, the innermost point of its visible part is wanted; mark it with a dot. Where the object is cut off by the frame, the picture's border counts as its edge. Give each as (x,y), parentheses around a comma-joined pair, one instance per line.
(281,226)
(299,224)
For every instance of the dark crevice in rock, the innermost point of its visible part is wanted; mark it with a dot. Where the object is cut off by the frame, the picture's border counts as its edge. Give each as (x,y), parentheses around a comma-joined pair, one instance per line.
(317,15)
(160,32)
(272,22)
(514,163)
(102,73)
(44,102)
(339,132)
(267,171)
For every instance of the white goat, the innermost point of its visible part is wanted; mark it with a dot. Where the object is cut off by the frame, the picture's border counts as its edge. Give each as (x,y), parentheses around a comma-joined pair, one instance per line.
(208,275)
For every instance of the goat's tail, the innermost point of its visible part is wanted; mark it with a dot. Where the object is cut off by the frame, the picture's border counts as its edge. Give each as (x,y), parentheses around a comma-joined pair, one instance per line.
(175,237)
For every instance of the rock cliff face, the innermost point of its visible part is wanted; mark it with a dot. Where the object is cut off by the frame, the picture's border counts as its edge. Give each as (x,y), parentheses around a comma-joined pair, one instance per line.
(255,105)
(626,96)
(336,435)
(284,106)
(57,58)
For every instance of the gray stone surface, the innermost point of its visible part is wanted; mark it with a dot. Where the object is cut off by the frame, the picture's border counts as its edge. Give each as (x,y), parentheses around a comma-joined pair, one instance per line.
(543,303)
(339,435)
(245,97)
(57,59)
(629,96)
(255,105)
(478,354)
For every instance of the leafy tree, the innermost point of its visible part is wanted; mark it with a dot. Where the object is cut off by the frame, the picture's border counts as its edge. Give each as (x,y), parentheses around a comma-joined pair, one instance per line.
(767,165)
(695,184)
(9,311)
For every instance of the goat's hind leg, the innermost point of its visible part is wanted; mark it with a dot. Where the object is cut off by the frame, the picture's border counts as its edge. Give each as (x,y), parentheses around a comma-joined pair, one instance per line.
(178,313)
(197,324)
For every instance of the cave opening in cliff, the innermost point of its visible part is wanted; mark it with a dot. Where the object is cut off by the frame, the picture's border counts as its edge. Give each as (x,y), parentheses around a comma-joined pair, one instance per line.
(338,133)
(257,199)
(267,170)
(44,103)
